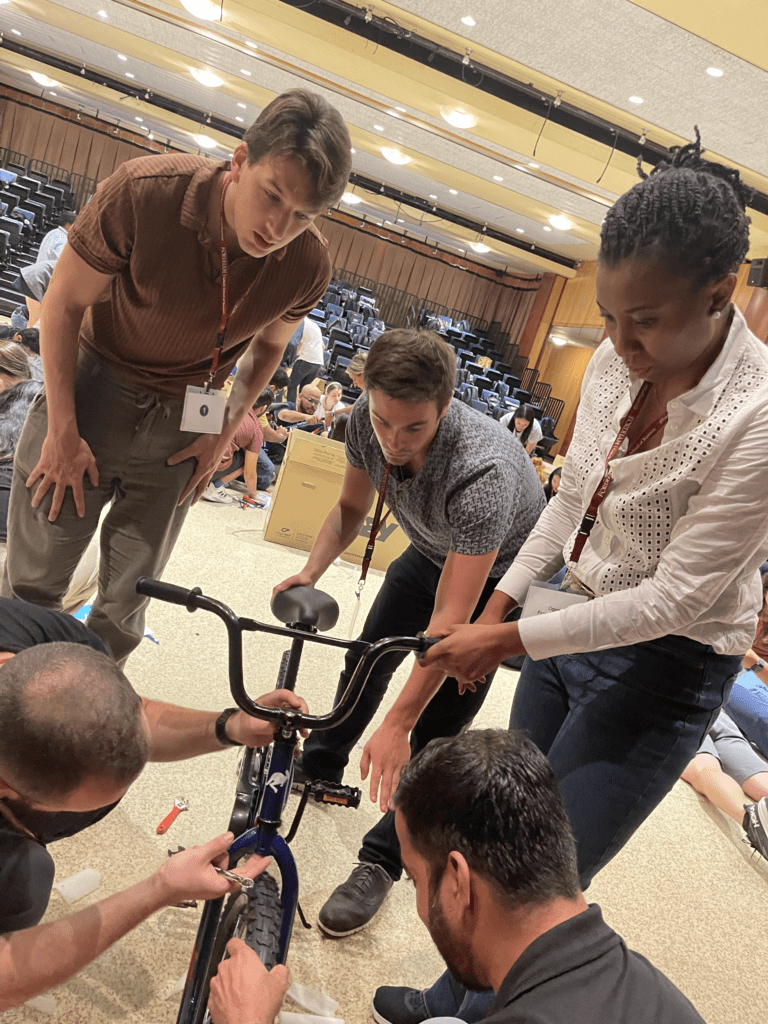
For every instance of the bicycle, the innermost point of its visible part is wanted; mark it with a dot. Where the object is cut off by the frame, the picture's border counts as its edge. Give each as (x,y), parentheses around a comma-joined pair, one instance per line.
(264,914)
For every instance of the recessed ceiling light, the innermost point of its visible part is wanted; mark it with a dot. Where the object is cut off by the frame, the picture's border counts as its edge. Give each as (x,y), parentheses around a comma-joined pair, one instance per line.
(519,231)
(129,75)
(205,141)
(547,228)
(203,9)
(479,247)
(468,20)
(394,155)
(53,94)
(353,151)
(241,105)
(393,113)
(150,136)
(433,197)
(121,56)
(207,78)
(139,119)
(497,177)
(453,191)
(557,340)
(458,118)
(49,83)
(103,14)
(715,72)
(534,166)
(351,199)
(378,128)
(635,99)
(245,71)
(15,31)
(401,109)
(560,222)
(400,220)
(240,119)
(249,42)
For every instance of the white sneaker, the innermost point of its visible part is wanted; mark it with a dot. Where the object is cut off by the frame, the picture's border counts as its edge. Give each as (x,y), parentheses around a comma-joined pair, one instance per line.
(217,495)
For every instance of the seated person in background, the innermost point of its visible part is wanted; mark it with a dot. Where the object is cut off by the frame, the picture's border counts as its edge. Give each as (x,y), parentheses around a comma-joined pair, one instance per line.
(29,339)
(302,415)
(53,243)
(241,458)
(74,736)
(330,403)
(486,842)
(524,425)
(356,373)
(732,776)
(552,485)
(338,431)
(33,282)
(14,365)
(279,382)
(14,403)
(726,769)
(309,362)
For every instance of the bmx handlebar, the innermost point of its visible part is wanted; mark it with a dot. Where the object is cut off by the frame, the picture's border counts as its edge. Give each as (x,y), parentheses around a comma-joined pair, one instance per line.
(285,717)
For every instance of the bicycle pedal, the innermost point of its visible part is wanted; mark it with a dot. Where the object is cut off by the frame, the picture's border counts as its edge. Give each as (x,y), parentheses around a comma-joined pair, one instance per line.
(331,793)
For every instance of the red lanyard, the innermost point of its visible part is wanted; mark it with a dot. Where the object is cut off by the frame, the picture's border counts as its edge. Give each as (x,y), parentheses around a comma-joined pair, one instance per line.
(377,524)
(225,312)
(590,516)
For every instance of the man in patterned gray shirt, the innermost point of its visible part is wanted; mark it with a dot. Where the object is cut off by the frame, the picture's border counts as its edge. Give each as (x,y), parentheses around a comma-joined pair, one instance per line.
(466,495)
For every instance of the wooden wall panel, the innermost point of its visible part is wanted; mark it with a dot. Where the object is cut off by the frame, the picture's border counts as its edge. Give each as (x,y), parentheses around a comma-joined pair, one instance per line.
(577,306)
(563,368)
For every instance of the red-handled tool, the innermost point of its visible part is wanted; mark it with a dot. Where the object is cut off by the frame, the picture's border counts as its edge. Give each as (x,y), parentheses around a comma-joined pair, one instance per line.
(179,805)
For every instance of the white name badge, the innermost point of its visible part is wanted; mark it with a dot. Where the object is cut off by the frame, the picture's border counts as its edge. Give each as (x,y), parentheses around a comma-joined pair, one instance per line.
(548,597)
(203,411)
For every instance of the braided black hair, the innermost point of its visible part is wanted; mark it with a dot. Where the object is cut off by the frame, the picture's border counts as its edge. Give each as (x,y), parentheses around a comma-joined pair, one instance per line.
(688,213)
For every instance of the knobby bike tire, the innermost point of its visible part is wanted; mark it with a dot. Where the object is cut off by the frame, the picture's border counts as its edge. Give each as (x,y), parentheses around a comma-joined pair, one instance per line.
(255,917)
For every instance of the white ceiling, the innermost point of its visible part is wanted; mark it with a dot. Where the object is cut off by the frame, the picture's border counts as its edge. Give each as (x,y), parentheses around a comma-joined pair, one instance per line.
(597,52)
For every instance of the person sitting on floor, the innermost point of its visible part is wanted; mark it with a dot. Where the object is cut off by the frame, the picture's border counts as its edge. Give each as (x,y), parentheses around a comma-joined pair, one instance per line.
(330,404)
(74,736)
(241,458)
(524,425)
(553,483)
(487,844)
(14,365)
(29,339)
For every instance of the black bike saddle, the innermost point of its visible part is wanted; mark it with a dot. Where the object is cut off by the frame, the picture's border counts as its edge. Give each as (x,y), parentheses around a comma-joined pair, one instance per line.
(306,606)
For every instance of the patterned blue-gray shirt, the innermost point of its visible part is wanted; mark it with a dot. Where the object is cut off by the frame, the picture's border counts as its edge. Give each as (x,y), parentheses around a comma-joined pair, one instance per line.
(476,490)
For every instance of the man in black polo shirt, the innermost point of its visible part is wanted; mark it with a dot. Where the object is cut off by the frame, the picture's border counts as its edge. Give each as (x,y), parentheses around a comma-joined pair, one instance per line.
(486,841)
(74,736)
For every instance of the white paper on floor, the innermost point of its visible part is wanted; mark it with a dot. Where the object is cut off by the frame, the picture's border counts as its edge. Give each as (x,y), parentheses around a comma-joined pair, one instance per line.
(79,885)
(44,1004)
(313,1000)
(306,1018)
(178,986)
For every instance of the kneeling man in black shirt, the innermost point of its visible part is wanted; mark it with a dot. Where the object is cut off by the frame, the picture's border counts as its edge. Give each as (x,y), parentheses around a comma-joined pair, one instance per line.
(74,735)
(486,841)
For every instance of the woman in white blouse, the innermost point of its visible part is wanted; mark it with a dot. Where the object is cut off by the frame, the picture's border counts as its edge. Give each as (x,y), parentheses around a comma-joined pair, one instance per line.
(619,689)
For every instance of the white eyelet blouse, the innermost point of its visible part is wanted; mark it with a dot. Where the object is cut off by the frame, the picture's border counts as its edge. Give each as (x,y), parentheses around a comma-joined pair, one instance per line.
(683,528)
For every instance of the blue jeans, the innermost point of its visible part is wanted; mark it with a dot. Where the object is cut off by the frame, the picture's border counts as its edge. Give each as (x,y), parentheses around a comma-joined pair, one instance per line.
(265,470)
(618,726)
(748,707)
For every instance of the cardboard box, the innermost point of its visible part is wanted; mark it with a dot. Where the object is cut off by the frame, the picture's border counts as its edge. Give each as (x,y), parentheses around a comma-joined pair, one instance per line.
(308,487)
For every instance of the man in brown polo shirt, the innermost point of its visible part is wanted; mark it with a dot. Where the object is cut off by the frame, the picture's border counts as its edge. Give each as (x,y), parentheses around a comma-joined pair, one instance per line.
(131,320)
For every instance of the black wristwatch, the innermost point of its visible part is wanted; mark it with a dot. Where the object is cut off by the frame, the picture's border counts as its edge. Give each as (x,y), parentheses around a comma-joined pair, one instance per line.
(221,728)
(759,665)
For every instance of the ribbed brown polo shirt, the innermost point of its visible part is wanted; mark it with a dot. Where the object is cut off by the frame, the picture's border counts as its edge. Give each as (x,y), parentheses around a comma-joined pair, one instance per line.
(147,225)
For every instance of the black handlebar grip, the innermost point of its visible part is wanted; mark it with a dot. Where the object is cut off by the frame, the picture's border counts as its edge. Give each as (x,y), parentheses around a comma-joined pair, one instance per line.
(426,643)
(169,592)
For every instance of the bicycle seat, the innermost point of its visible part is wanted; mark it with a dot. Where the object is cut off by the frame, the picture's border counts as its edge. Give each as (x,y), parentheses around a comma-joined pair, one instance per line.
(307,606)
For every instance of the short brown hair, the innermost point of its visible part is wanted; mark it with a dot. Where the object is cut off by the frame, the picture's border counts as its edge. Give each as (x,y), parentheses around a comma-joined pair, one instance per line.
(302,124)
(412,366)
(67,715)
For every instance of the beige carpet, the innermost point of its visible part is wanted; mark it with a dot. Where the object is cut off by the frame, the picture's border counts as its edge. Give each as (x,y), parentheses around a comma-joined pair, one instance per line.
(684,892)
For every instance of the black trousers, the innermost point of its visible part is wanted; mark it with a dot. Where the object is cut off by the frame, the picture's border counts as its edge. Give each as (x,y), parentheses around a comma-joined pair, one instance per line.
(403,607)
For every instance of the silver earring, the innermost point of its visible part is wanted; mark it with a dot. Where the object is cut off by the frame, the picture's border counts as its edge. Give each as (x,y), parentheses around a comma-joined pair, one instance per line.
(716,315)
